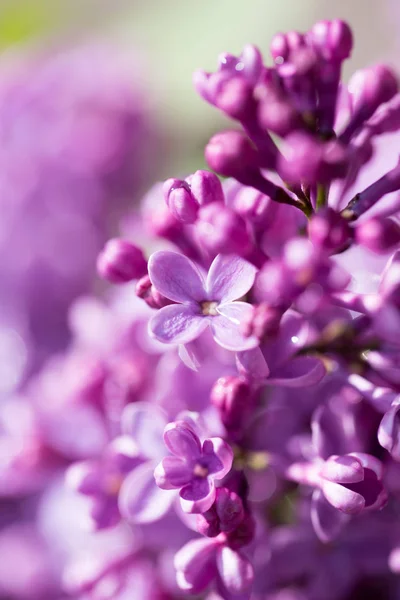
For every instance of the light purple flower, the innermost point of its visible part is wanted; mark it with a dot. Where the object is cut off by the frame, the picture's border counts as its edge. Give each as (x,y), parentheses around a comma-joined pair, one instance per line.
(201,561)
(201,302)
(101,479)
(193,467)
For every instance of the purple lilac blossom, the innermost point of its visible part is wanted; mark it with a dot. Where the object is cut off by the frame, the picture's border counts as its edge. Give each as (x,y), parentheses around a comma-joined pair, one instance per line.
(254,333)
(72,120)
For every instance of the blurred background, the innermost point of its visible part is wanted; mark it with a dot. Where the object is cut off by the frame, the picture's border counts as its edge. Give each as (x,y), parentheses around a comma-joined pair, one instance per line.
(96,104)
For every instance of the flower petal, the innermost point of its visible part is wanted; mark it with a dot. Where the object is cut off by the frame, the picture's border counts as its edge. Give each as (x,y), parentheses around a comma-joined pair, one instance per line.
(177,324)
(198,496)
(182,441)
(327,521)
(301,371)
(342,498)
(140,499)
(226,327)
(176,277)
(343,469)
(145,423)
(229,278)
(195,564)
(172,472)
(252,364)
(85,477)
(235,570)
(219,457)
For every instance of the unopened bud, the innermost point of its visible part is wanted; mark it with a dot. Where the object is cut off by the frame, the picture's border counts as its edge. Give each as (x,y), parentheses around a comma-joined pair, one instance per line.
(332,39)
(233,397)
(148,293)
(206,187)
(328,230)
(263,321)
(231,154)
(221,230)
(180,200)
(229,508)
(378,235)
(121,261)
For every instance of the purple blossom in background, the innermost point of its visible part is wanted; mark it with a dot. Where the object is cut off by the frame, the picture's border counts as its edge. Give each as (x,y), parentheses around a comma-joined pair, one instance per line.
(253,333)
(72,121)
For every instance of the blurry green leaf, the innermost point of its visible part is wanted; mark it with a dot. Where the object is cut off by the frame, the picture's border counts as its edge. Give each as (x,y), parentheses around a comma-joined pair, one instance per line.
(20,21)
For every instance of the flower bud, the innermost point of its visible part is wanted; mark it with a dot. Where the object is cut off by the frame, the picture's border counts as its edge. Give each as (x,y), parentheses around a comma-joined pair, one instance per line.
(221,230)
(235,98)
(233,397)
(180,200)
(283,44)
(208,523)
(328,230)
(229,508)
(148,293)
(243,534)
(262,322)
(205,187)
(121,261)
(369,89)
(332,39)
(231,154)
(378,235)
(253,205)
(309,161)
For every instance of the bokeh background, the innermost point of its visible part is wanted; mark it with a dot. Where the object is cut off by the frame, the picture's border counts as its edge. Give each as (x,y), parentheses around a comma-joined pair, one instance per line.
(171,38)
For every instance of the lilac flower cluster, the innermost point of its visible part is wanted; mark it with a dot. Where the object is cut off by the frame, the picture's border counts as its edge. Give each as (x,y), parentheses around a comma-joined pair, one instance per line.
(225,423)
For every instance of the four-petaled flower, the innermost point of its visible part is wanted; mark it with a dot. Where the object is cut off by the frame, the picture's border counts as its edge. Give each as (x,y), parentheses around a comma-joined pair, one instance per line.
(194,466)
(201,302)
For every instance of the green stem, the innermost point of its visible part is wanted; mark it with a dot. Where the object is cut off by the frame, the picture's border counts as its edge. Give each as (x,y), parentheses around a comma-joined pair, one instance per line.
(321,196)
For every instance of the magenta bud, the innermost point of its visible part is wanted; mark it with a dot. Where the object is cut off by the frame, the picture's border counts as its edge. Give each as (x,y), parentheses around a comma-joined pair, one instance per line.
(372,86)
(283,44)
(233,397)
(231,154)
(307,160)
(332,39)
(229,508)
(253,205)
(221,230)
(180,200)
(378,235)
(235,97)
(148,293)
(369,89)
(208,523)
(243,534)
(328,230)
(120,262)
(275,111)
(263,321)
(206,187)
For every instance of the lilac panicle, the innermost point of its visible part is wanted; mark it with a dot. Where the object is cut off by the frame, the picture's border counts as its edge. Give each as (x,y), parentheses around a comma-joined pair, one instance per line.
(259,344)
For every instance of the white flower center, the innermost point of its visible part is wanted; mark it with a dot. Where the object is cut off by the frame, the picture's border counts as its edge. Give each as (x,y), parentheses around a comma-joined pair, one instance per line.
(200,471)
(209,308)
